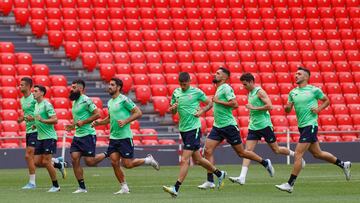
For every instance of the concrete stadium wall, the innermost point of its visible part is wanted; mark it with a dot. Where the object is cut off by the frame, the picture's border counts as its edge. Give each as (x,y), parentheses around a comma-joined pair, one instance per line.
(168,155)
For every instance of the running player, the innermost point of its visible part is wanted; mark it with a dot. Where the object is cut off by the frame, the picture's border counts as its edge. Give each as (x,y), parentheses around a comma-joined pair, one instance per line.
(304,99)
(185,100)
(225,127)
(84,112)
(122,111)
(260,124)
(45,118)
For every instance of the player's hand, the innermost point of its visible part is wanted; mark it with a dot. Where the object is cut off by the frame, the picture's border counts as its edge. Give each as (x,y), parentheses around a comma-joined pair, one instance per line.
(173,107)
(33,127)
(121,123)
(315,110)
(95,123)
(249,106)
(199,113)
(69,127)
(80,123)
(215,99)
(20,119)
(38,117)
(29,118)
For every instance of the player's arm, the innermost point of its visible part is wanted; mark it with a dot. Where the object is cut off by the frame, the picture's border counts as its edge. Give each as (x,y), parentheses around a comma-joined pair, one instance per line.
(173,108)
(231,103)
(325,102)
(105,121)
(51,120)
(135,114)
(264,98)
(20,119)
(208,106)
(288,107)
(95,115)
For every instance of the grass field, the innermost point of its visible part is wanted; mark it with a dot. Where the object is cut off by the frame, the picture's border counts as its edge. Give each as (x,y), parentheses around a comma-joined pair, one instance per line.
(317,183)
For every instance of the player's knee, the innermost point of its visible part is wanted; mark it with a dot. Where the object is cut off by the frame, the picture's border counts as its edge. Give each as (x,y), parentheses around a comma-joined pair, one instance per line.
(208,152)
(128,165)
(45,162)
(316,155)
(276,150)
(184,161)
(115,163)
(27,156)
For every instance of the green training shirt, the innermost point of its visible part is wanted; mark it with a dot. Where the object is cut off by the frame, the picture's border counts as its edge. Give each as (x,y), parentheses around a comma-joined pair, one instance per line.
(223,114)
(120,109)
(82,109)
(45,110)
(305,98)
(259,119)
(188,105)
(28,107)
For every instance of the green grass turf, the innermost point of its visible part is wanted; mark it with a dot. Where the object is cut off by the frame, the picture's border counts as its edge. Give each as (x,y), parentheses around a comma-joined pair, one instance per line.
(317,183)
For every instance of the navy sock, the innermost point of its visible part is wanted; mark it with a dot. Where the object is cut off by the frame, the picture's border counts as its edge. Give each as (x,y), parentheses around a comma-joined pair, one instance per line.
(217,173)
(264,163)
(177,186)
(82,184)
(339,163)
(57,165)
(55,183)
(106,154)
(292,180)
(210,177)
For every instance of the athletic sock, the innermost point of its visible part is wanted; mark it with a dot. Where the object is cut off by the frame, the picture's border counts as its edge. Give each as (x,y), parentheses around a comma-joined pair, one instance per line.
(244,171)
(32,179)
(264,163)
(339,163)
(217,173)
(210,177)
(106,154)
(147,161)
(291,153)
(55,183)
(177,186)
(57,165)
(82,184)
(292,180)
(55,160)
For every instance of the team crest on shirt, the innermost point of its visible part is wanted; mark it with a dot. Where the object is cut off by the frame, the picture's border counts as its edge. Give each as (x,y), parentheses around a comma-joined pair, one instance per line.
(190,96)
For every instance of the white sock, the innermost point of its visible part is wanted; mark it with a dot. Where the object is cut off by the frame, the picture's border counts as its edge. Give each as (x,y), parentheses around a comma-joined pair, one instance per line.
(147,160)
(292,153)
(32,178)
(244,170)
(55,160)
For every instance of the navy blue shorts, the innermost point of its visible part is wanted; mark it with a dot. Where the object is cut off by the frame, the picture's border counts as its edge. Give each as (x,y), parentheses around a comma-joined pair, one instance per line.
(124,147)
(31,139)
(86,145)
(308,134)
(47,146)
(191,139)
(267,133)
(231,133)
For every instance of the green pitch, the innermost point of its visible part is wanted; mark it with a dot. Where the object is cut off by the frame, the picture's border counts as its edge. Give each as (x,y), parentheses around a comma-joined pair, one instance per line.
(317,183)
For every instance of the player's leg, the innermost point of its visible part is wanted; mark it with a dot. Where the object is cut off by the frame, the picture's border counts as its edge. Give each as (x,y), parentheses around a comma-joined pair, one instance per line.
(31,139)
(52,172)
(87,144)
(119,173)
(93,161)
(316,151)
(300,149)
(284,151)
(78,171)
(250,146)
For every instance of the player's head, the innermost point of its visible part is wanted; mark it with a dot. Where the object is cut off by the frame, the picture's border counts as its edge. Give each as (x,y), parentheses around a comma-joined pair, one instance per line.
(184,80)
(115,86)
(26,84)
(302,75)
(77,88)
(221,75)
(248,80)
(39,92)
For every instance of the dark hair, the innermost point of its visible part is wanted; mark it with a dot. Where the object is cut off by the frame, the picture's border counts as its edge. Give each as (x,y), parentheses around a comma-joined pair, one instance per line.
(118,82)
(225,70)
(184,77)
(41,88)
(27,80)
(248,77)
(80,82)
(304,69)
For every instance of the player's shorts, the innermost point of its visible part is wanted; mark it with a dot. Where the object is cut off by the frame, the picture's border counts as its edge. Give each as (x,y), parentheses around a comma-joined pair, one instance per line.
(124,147)
(231,133)
(191,139)
(47,146)
(308,134)
(31,139)
(267,133)
(86,145)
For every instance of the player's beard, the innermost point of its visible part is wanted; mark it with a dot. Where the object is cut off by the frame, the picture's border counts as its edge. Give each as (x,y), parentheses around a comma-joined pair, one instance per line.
(74,95)
(215,81)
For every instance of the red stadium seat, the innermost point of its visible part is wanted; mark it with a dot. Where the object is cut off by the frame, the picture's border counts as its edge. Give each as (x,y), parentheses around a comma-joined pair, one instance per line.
(61,102)
(161,105)
(143,94)
(60,91)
